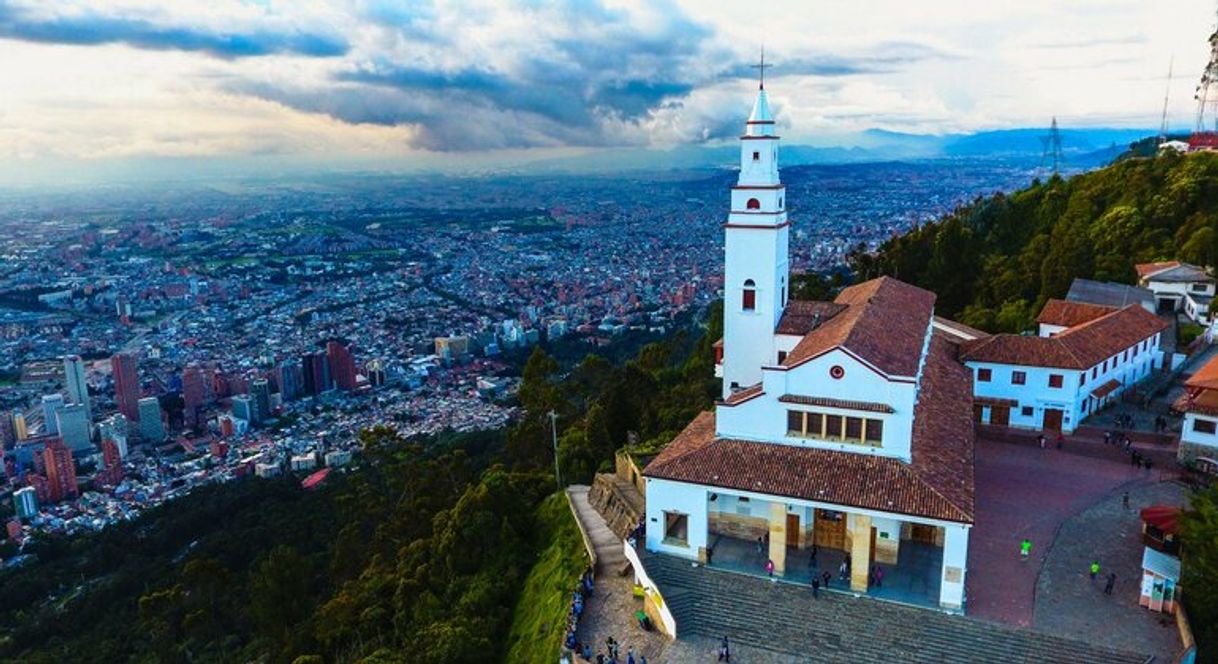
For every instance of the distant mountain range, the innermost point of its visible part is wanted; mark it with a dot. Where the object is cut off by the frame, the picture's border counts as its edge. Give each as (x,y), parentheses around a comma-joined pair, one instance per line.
(1081,148)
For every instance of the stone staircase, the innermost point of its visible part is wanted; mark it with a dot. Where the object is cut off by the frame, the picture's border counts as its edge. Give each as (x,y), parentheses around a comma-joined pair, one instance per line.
(838,627)
(618,502)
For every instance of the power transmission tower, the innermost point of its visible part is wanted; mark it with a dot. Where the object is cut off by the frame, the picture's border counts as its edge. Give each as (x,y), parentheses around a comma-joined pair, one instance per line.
(1166,96)
(1051,145)
(1206,94)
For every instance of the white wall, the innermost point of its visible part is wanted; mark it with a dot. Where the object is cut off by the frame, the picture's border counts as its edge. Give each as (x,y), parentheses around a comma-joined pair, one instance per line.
(690,499)
(759,254)
(1189,435)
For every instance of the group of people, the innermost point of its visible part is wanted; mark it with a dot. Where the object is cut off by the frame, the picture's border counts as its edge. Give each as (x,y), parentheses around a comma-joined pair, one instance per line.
(612,653)
(1122,441)
(583,590)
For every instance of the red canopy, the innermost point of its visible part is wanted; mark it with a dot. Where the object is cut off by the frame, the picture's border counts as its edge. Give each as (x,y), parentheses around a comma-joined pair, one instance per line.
(1162,517)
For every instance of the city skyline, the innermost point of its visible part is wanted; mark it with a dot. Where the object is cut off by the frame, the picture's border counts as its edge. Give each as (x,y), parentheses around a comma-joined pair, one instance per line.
(239,86)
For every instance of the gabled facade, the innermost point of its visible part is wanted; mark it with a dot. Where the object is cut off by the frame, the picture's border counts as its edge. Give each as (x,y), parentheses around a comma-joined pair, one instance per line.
(1179,287)
(1199,403)
(844,425)
(1084,357)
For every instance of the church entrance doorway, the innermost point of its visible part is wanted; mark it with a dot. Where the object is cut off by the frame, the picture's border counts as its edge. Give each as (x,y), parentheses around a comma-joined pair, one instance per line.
(1000,415)
(830,530)
(793,530)
(1053,419)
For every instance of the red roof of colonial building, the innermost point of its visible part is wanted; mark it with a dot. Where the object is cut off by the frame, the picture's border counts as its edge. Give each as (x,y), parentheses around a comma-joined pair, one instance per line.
(1069,314)
(1080,347)
(1146,269)
(884,321)
(937,483)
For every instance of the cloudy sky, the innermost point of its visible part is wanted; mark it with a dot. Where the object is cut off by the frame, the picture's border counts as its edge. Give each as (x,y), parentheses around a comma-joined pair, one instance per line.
(369,81)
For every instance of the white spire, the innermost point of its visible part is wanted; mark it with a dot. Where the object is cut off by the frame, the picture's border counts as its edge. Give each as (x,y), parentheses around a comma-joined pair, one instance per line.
(761,112)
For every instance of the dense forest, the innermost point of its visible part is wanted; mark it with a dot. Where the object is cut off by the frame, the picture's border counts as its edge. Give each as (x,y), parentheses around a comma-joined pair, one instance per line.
(420,554)
(995,261)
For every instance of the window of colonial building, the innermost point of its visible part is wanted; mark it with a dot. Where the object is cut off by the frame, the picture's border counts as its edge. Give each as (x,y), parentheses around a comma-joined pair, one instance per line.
(835,428)
(753,204)
(782,356)
(756,156)
(748,300)
(1026,411)
(1019,377)
(1055,380)
(1204,426)
(983,375)
(676,528)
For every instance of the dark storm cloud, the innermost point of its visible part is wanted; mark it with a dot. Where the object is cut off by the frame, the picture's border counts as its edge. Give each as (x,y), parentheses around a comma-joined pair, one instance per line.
(96,29)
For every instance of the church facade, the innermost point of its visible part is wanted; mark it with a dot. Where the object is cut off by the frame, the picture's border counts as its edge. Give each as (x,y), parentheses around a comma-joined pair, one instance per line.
(844,427)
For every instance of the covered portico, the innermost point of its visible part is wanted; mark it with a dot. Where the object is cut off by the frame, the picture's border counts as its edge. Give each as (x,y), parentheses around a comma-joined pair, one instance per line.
(923,560)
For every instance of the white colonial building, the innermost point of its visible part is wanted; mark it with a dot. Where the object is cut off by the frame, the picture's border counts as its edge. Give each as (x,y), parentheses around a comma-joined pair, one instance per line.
(844,425)
(1179,287)
(1199,431)
(1084,356)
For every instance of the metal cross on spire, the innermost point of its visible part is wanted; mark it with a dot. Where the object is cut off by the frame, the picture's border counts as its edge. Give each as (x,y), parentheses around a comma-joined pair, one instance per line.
(761,67)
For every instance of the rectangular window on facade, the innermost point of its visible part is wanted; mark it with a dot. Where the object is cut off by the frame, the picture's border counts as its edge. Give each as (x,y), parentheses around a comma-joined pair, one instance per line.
(1082,378)
(1019,377)
(833,426)
(676,528)
(816,425)
(1095,371)
(1055,380)
(1026,411)
(748,301)
(875,431)
(782,356)
(795,423)
(756,156)
(983,375)
(854,429)
(1205,426)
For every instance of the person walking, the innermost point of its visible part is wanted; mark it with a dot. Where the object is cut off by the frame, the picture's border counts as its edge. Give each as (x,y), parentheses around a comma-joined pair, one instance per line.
(769,568)
(1041,439)
(826,577)
(1025,549)
(630,655)
(843,571)
(1095,569)
(815,587)
(1061,440)
(879,577)
(725,651)
(1125,501)
(1111,582)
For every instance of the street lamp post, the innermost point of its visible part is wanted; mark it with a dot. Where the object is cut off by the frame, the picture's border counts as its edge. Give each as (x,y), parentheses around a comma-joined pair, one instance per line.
(554,438)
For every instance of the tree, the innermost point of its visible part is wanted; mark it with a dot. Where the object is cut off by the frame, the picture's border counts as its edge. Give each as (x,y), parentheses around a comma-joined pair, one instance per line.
(280,592)
(1199,554)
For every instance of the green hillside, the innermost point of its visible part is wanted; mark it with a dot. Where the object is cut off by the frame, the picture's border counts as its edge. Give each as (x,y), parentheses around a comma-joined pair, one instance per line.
(995,261)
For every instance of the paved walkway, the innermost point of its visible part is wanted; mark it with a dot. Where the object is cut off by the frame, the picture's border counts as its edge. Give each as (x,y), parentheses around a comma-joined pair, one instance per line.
(610,610)
(1024,491)
(1069,603)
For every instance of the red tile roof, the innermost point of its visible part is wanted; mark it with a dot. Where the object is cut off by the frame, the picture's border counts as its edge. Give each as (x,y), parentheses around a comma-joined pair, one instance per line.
(1080,347)
(1146,269)
(884,321)
(800,317)
(740,396)
(958,332)
(1206,377)
(1069,314)
(937,483)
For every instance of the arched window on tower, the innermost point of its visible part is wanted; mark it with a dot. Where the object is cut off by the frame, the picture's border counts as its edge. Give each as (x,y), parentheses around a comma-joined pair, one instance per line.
(748,300)
(784,291)
(753,204)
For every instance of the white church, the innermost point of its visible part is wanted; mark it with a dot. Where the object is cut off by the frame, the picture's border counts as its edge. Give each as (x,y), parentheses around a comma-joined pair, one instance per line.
(844,428)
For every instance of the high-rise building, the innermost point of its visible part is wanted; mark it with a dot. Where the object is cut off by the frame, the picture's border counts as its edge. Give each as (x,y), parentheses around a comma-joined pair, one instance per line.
(78,388)
(316,370)
(60,469)
(243,408)
(194,395)
(152,425)
(74,428)
(25,502)
(115,428)
(260,394)
(8,434)
(126,385)
(20,431)
(342,364)
(375,370)
(289,379)
(111,473)
(51,403)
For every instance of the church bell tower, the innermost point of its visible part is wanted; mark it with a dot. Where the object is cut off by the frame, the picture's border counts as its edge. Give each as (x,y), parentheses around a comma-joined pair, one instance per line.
(756,270)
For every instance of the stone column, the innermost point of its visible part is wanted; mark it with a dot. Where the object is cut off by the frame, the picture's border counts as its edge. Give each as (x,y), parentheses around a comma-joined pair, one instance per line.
(860,550)
(778,537)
